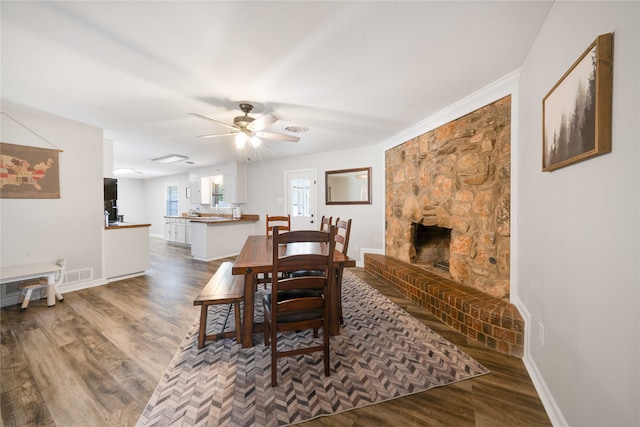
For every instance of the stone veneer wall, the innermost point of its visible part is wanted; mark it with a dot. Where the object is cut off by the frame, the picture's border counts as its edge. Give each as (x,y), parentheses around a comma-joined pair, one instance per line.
(457,176)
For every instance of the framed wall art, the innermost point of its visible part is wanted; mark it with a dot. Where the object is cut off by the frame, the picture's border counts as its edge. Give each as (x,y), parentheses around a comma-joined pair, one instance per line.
(29,172)
(576,113)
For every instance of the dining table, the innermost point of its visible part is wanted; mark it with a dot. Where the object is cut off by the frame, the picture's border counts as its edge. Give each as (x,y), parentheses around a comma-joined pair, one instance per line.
(256,257)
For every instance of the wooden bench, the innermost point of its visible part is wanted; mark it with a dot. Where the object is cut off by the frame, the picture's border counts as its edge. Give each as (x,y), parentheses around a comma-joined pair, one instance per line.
(223,288)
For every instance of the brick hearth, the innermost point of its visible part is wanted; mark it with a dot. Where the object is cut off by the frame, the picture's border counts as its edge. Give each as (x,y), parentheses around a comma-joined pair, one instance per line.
(489,320)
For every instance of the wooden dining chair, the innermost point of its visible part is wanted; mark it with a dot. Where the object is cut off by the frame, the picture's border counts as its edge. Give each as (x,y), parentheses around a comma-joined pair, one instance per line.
(284,222)
(325,223)
(301,302)
(343,231)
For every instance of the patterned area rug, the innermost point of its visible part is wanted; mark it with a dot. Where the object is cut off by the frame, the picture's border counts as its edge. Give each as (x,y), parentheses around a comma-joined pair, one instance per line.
(382,353)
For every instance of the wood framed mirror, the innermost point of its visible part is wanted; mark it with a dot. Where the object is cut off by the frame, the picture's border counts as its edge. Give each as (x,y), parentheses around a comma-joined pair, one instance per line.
(348,186)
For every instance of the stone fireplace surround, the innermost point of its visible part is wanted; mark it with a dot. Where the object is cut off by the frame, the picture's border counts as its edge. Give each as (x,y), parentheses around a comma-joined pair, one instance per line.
(457,177)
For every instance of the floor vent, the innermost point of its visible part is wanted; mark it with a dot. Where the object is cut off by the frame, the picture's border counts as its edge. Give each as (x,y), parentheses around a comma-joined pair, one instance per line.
(82,275)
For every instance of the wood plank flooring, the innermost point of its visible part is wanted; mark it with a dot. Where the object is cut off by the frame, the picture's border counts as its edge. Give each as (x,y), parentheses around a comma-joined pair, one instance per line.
(96,358)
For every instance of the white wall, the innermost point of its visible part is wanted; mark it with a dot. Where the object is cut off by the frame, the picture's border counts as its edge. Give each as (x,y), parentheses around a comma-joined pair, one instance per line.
(131,200)
(36,230)
(154,200)
(579,231)
(266,185)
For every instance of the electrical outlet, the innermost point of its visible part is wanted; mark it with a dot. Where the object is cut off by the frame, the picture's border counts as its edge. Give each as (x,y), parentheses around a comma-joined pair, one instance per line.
(541,333)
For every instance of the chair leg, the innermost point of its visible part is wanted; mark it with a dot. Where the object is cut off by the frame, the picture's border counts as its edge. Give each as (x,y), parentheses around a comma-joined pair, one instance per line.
(236,306)
(27,297)
(274,360)
(339,296)
(325,341)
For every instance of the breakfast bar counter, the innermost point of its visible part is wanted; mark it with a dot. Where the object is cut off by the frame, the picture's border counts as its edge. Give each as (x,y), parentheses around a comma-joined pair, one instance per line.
(215,237)
(125,250)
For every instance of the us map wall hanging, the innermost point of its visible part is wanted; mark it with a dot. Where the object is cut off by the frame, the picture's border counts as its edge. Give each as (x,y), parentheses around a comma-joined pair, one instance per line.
(29,172)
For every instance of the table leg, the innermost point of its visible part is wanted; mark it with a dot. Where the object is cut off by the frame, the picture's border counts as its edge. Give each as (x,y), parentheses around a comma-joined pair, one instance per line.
(248,311)
(51,290)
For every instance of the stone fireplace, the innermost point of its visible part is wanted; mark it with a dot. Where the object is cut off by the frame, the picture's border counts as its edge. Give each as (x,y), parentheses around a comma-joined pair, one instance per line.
(455,177)
(448,201)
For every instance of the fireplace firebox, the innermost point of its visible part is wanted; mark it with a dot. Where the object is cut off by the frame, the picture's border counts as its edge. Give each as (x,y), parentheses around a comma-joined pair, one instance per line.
(431,245)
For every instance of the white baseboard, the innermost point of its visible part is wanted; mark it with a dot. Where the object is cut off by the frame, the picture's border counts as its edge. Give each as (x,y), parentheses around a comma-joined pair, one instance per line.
(76,286)
(549,403)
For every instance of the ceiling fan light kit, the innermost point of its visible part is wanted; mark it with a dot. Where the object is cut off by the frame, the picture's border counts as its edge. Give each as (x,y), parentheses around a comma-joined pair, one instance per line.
(247,128)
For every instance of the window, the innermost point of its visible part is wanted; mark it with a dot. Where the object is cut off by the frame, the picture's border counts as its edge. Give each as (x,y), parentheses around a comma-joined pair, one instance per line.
(300,193)
(172,200)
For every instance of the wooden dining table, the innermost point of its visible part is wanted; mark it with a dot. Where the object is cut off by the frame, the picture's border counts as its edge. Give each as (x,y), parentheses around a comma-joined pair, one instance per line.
(256,257)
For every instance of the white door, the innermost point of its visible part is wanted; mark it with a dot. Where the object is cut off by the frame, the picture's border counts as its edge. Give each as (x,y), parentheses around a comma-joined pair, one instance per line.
(301,198)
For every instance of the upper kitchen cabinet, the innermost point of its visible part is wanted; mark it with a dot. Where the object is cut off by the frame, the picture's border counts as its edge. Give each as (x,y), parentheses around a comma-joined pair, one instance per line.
(196,191)
(235,185)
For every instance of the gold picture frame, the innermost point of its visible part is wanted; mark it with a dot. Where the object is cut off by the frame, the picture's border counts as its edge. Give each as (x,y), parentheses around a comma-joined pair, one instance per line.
(576,113)
(29,172)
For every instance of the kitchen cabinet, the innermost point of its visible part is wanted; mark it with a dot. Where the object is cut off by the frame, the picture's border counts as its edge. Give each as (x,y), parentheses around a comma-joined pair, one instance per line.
(235,185)
(196,191)
(177,230)
(205,190)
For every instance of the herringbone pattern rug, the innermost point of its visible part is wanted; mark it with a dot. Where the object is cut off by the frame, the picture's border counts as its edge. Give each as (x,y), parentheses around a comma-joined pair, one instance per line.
(382,353)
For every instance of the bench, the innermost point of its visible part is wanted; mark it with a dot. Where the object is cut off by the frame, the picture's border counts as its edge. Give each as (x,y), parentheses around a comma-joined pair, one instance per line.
(222,288)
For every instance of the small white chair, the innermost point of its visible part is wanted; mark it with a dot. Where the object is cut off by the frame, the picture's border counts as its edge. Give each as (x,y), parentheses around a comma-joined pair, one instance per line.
(28,286)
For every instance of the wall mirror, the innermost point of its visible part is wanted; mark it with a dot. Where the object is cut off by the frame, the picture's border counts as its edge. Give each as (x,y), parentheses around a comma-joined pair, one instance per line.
(348,186)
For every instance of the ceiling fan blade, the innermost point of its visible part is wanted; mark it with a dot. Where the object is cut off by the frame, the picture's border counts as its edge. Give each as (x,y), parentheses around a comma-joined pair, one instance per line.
(262,122)
(277,136)
(217,134)
(213,120)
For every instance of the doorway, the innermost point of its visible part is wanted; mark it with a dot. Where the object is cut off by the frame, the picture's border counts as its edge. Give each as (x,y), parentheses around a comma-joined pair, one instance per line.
(300,194)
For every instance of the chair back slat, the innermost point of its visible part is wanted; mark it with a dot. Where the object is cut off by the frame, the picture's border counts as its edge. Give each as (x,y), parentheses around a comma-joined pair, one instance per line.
(325,223)
(284,222)
(343,230)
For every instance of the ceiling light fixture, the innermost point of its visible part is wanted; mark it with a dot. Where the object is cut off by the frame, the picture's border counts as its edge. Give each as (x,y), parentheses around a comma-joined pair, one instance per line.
(241,139)
(255,141)
(122,170)
(171,158)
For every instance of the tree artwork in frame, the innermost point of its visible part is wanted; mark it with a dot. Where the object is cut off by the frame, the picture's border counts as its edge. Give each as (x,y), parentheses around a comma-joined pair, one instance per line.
(576,113)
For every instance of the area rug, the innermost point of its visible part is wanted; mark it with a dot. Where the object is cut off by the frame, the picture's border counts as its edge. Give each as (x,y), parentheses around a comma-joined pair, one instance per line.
(382,353)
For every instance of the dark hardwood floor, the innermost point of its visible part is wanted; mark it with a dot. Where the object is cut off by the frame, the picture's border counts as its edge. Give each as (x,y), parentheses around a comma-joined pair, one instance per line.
(96,358)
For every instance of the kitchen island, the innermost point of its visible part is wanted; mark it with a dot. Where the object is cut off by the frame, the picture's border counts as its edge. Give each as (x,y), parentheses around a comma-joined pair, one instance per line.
(215,237)
(125,250)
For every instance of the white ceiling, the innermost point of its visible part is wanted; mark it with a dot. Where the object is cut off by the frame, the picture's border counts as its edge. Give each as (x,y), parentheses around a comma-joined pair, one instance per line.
(354,73)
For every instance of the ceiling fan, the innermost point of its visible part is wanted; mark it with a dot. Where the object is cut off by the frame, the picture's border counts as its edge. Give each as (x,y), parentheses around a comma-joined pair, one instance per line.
(247,128)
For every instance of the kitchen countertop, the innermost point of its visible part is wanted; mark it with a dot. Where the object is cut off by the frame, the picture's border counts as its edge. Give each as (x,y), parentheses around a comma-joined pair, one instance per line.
(120,225)
(223,219)
(218,219)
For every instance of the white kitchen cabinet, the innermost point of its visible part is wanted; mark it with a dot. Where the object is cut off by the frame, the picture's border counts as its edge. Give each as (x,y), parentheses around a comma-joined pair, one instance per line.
(170,229)
(175,230)
(205,190)
(235,185)
(196,191)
